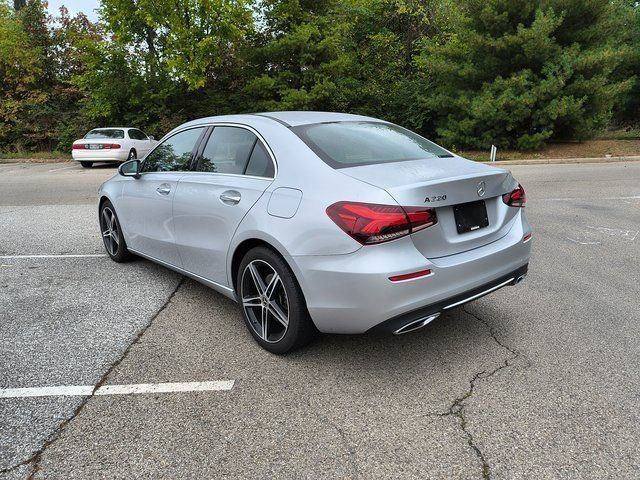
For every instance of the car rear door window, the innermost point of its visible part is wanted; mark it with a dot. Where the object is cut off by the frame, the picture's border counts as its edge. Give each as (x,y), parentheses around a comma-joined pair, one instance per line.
(227,151)
(136,134)
(260,164)
(175,153)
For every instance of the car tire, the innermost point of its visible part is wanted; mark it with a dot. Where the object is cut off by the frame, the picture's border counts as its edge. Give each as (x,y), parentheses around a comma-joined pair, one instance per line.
(273,299)
(112,236)
(132,155)
(86,164)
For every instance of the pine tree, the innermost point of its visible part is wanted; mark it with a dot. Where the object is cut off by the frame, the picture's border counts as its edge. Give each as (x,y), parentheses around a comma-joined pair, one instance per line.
(517,73)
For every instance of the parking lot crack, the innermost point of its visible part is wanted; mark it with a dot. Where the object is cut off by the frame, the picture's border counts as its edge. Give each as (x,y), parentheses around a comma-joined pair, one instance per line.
(34,459)
(457,408)
(350,450)
(12,468)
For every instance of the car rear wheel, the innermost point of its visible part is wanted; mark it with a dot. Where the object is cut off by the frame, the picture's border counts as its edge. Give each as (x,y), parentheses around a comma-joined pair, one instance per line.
(132,155)
(112,236)
(86,164)
(272,303)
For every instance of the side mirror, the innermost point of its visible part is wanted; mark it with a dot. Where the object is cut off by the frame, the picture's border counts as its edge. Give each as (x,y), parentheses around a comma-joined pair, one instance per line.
(151,137)
(130,169)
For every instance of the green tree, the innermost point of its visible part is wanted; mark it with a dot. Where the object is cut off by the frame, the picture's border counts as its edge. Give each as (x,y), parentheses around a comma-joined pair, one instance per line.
(190,40)
(354,56)
(39,56)
(21,67)
(628,107)
(72,37)
(517,73)
(161,63)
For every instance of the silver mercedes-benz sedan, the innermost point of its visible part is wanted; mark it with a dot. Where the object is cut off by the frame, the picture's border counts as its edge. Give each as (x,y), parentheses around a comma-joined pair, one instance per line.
(319,221)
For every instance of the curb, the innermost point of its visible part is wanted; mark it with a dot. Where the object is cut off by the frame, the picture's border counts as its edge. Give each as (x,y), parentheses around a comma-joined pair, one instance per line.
(9,161)
(554,161)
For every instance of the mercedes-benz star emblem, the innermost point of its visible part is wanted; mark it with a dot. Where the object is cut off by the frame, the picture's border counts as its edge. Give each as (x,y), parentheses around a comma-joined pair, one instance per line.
(482,188)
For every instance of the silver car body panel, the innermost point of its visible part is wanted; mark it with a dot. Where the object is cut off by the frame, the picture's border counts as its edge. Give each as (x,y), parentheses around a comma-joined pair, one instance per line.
(204,229)
(346,286)
(146,215)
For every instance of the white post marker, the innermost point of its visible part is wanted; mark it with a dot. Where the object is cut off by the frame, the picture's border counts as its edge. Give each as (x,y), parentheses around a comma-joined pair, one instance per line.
(135,389)
(494,151)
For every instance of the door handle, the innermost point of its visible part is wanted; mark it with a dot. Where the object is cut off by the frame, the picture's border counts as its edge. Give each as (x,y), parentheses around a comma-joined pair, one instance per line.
(230,197)
(164,189)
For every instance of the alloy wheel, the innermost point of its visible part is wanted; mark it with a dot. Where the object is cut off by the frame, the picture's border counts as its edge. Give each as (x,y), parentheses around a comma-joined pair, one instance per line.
(264,300)
(110,232)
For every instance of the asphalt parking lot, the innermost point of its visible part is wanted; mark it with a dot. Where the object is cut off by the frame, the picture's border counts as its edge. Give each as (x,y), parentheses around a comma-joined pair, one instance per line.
(540,380)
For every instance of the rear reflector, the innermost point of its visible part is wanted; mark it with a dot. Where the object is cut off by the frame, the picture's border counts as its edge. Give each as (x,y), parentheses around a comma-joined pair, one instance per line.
(526,238)
(410,276)
(370,223)
(517,198)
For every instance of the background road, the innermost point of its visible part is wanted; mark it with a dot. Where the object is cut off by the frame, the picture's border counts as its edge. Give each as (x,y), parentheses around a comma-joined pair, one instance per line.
(535,381)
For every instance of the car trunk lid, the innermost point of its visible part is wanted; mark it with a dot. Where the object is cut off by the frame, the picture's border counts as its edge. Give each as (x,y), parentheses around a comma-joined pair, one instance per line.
(447,185)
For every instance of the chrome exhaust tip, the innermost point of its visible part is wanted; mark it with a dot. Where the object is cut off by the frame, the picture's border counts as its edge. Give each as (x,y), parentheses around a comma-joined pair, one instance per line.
(416,324)
(519,279)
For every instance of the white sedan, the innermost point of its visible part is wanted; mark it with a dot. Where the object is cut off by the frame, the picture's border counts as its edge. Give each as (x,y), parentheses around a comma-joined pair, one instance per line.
(111,145)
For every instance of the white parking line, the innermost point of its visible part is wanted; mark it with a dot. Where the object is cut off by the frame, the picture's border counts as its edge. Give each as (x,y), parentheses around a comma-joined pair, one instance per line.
(62,391)
(93,255)
(135,389)
(215,385)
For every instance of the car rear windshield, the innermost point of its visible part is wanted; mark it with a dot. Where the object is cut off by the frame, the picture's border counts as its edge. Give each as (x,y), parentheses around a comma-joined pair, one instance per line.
(351,144)
(105,133)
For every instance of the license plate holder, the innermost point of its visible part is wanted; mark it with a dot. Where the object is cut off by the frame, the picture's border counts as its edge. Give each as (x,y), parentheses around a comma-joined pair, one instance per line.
(471,216)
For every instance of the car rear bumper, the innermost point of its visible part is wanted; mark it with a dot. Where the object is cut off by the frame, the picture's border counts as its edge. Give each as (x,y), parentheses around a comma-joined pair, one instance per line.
(109,155)
(352,293)
(418,318)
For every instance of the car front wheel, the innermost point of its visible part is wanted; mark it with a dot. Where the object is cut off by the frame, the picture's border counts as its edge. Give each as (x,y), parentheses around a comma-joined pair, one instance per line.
(112,236)
(272,303)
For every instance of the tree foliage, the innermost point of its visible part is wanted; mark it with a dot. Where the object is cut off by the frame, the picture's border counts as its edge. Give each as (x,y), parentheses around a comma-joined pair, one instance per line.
(516,73)
(520,72)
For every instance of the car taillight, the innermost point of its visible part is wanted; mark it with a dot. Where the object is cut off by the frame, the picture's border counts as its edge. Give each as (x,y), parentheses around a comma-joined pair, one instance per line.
(104,146)
(370,223)
(517,198)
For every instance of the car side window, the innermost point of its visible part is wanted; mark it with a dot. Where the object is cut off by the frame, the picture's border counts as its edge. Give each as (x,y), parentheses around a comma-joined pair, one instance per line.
(260,164)
(227,150)
(174,154)
(135,134)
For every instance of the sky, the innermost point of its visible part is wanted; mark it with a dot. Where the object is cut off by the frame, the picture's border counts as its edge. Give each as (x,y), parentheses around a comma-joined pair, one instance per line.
(75,6)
